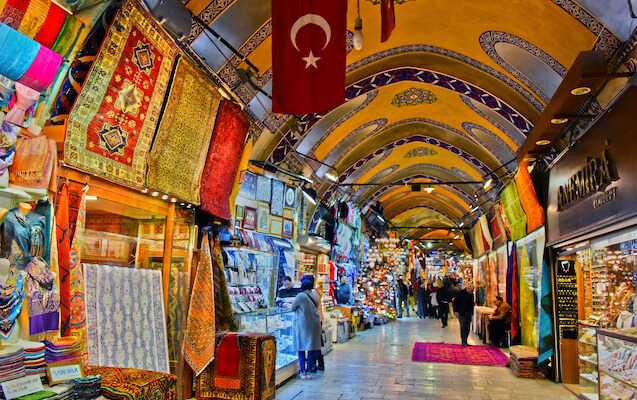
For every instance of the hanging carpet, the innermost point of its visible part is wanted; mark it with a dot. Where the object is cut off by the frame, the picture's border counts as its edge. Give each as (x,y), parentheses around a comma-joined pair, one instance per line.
(457,354)
(528,199)
(111,126)
(223,159)
(513,210)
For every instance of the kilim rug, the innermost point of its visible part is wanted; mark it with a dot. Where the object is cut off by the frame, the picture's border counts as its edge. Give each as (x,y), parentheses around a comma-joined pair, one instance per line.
(125,318)
(77,317)
(112,123)
(223,159)
(178,155)
(62,236)
(456,354)
(513,210)
(199,341)
(134,384)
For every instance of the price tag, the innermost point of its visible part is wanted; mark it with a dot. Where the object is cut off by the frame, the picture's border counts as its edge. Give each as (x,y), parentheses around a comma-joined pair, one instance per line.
(58,373)
(21,386)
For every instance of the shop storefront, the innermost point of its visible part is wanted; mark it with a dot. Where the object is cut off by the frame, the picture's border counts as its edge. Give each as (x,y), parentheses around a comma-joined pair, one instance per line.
(592,227)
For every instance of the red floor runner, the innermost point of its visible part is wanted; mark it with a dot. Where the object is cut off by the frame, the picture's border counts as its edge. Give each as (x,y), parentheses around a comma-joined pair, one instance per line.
(456,354)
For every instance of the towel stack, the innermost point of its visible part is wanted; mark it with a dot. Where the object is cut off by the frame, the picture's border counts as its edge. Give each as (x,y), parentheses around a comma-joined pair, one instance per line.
(64,350)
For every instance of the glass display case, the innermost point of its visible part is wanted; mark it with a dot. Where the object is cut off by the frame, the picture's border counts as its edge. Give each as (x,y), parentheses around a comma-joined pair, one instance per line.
(617,360)
(278,322)
(587,346)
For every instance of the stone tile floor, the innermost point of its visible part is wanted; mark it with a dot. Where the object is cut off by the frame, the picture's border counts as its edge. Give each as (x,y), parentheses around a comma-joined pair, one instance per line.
(376,364)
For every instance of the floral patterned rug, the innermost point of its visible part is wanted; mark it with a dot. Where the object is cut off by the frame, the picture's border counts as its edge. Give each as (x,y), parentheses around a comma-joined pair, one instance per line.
(457,354)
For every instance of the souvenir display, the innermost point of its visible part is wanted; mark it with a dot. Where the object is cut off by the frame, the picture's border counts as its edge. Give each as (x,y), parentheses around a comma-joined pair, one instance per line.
(289,197)
(44,300)
(276,200)
(249,186)
(263,221)
(264,189)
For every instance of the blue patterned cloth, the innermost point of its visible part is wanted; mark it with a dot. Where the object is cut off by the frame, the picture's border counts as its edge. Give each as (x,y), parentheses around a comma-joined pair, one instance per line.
(23,238)
(125,321)
(17,52)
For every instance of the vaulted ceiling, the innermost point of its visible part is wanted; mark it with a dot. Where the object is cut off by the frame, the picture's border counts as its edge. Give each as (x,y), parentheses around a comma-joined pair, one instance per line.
(448,98)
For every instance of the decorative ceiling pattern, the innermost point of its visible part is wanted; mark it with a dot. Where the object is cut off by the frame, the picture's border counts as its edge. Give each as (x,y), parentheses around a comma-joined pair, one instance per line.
(449,97)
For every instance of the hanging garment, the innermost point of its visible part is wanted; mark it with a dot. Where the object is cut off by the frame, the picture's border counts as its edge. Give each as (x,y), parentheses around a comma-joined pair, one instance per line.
(11,298)
(77,304)
(23,237)
(44,299)
(34,161)
(546,344)
(63,240)
(25,98)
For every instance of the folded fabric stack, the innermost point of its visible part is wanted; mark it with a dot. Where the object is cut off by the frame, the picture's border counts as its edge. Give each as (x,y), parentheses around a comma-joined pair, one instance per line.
(11,362)
(88,388)
(523,362)
(34,363)
(58,392)
(64,350)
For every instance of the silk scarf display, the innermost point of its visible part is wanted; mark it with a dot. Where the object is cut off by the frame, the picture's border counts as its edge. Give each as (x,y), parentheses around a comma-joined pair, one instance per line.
(515,215)
(199,342)
(178,156)
(63,240)
(11,298)
(224,315)
(111,126)
(35,158)
(134,384)
(77,320)
(528,199)
(224,157)
(546,343)
(125,318)
(44,299)
(23,237)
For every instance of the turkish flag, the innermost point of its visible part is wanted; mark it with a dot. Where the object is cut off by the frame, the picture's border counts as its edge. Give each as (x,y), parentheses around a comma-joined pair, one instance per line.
(388,19)
(308,55)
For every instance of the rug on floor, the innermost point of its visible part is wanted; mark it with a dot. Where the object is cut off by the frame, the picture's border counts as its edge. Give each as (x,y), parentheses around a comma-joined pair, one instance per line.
(456,354)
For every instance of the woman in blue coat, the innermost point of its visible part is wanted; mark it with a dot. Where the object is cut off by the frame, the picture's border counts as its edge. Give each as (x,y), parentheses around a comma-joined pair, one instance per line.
(307,326)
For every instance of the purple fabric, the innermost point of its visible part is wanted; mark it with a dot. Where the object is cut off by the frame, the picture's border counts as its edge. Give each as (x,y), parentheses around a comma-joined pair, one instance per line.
(510,264)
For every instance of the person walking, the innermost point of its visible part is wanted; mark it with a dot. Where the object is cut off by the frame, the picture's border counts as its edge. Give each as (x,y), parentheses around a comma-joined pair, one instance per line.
(463,308)
(422,293)
(444,297)
(307,326)
(402,292)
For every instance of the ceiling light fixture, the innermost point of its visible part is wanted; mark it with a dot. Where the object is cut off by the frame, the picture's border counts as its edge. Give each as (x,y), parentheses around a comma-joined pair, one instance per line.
(429,189)
(487,183)
(310,194)
(155,194)
(529,159)
(89,197)
(581,91)
(543,142)
(461,224)
(164,197)
(331,174)
(474,209)
(559,121)
(358,29)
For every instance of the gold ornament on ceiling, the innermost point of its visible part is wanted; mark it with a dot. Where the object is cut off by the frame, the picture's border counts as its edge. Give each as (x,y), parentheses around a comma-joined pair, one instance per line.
(421,152)
(413,97)
(395,1)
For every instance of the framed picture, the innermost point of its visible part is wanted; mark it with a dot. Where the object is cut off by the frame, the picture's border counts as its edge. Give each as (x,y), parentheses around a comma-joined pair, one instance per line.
(264,188)
(288,228)
(250,218)
(248,186)
(263,222)
(240,211)
(289,198)
(276,201)
(276,225)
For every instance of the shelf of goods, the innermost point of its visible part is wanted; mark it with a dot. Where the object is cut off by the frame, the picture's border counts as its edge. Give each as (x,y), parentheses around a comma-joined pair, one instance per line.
(323,264)
(250,277)
(617,365)
(587,345)
(278,322)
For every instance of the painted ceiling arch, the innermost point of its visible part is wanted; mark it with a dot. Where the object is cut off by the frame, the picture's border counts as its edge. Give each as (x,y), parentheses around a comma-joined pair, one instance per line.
(471,78)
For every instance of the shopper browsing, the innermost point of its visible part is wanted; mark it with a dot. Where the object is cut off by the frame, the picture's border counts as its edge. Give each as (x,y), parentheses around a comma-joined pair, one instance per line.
(463,307)
(307,326)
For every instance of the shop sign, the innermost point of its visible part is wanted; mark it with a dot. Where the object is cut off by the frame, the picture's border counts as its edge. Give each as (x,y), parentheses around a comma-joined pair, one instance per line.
(21,387)
(58,373)
(594,177)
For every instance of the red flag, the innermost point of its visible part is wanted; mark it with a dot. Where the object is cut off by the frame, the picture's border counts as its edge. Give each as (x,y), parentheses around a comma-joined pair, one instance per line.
(308,55)
(388,19)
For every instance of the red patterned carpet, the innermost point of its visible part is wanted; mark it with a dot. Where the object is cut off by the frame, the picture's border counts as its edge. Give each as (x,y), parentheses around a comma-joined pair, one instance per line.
(456,354)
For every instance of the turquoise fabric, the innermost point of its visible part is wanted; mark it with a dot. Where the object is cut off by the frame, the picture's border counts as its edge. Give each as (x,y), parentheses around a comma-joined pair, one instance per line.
(17,52)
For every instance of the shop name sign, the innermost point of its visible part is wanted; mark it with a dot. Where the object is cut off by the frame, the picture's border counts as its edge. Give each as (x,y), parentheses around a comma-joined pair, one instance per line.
(594,177)
(21,387)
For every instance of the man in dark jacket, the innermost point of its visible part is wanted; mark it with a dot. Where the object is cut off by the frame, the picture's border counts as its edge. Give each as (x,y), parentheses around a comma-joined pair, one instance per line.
(402,292)
(463,307)
(444,297)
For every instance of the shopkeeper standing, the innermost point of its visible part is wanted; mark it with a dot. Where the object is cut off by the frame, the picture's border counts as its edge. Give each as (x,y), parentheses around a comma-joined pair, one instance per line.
(287,292)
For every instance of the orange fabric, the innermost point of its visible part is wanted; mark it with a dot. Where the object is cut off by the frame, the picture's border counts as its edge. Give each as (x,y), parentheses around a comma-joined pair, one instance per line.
(528,198)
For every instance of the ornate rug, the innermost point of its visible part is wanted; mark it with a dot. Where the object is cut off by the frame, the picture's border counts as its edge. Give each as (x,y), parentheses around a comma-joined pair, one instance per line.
(178,155)
(134,384)
(199,341)
(244,368)
(125,318)
(224,315)
(224,156)
(456,354)
(515,215)
(111,126)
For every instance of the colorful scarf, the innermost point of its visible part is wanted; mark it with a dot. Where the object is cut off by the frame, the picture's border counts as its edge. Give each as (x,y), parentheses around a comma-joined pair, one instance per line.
(44,300)
(77,303)
(224,157)
(33,162)
(199,342)
(528,199)
(25,99)
(11,298)
(224,314)
(515,295)
(178,156)
(63,239)
(17,52)
(23,237)
(515,216)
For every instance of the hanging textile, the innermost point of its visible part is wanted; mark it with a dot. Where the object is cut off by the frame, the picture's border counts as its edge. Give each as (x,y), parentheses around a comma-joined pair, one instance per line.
(44,300)
(125,316)
(34,162)
(178,156)
(23,237)
(55,18)
(509,274)
(514,213)
(527,303)
(224,315)
(17,52)
(77,320)
(546,344)
(477,243)
(241,173)
(528,199)
(199,341)
(224,157)
(111,126)
(63,239)
(515,296)
(486,235)
(11,298)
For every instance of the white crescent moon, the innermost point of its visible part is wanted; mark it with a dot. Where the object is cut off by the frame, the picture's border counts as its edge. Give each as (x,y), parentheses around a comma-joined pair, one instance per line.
(310,19)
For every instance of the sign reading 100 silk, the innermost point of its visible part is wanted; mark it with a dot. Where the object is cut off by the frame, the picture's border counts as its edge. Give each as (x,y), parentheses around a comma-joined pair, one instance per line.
(594,177)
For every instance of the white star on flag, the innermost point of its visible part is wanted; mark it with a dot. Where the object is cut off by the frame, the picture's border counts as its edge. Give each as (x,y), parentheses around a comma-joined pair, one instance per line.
(311,60)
